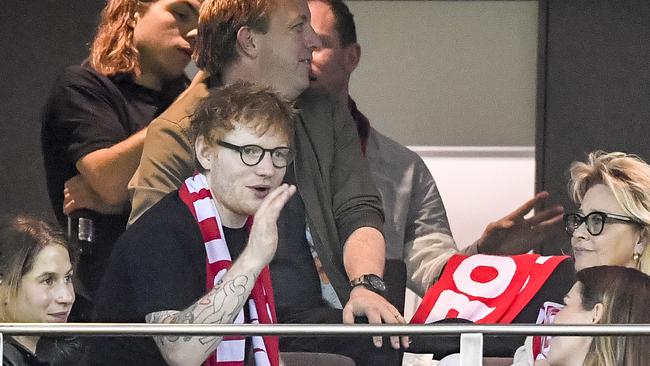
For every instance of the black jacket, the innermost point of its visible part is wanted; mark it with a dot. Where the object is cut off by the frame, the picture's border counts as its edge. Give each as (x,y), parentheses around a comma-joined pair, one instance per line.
(49,352)
(15,354)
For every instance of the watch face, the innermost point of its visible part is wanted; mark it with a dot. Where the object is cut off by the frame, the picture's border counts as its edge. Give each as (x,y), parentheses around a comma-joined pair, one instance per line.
(376,282)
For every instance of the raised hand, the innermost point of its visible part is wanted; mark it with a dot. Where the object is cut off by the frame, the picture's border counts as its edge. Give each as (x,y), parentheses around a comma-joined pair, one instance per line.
(263,238)
(514,234)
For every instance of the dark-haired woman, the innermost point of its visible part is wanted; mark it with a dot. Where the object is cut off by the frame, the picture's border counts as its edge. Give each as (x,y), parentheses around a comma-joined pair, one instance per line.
(36,271)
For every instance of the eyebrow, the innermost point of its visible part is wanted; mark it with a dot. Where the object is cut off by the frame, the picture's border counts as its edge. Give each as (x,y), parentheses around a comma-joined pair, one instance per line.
(299,19)
(50,274)
(46,274)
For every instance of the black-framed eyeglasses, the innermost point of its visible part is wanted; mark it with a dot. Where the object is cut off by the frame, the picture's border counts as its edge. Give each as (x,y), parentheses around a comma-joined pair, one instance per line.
(251,155)
(595,221)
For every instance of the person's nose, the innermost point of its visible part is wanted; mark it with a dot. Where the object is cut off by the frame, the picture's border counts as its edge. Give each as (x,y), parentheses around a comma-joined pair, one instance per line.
(581,231)
(311,38)
(65,293)
(265,166)
(191,35)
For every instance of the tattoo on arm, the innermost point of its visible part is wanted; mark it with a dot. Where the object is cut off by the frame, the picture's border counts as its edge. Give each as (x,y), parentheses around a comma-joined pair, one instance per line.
(219,306)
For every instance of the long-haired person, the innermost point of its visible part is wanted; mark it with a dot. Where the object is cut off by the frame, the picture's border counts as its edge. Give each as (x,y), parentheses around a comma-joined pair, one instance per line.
(36,268)
(612,225)
(604,295)
(96,118)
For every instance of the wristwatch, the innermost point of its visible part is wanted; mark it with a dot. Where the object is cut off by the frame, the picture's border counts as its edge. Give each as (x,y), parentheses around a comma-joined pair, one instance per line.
(370,281)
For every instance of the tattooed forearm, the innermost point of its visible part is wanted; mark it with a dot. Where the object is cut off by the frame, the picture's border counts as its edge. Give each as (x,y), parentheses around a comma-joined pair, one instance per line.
(219,306)
(160,316)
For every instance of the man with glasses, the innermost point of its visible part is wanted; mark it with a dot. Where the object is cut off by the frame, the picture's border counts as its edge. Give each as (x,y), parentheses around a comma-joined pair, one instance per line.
(251,155)
(163,265)
(330,260)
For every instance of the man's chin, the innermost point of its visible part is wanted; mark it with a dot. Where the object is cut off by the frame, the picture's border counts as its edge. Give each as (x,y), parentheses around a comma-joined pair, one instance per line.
(294,92)
(251,208)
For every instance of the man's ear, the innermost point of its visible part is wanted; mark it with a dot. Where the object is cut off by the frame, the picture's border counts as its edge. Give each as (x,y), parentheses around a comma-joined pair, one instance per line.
(204,152)
(597,313)
(352,57)
(247,42)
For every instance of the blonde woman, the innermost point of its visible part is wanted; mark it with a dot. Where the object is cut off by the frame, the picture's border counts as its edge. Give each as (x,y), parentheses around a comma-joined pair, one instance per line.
(612,225)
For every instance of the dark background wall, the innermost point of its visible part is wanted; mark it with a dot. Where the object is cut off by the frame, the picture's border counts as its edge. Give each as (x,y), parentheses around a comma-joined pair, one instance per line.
(594,86)
(38,40)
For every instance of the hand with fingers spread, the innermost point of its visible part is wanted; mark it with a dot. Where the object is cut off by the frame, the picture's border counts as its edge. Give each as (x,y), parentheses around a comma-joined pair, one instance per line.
(263,238)
(514,234)
(78,194)
(378,310)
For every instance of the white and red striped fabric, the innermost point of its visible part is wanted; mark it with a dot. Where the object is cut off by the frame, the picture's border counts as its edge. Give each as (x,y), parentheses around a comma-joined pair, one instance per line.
(485,288)
(542,344)
(196,194)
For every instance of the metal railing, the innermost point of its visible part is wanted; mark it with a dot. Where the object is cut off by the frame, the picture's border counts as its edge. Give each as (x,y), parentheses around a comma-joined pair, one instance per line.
(147,330)
(471,340)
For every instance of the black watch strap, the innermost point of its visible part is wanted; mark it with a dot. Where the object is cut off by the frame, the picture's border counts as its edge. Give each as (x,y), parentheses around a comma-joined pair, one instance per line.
(370,281)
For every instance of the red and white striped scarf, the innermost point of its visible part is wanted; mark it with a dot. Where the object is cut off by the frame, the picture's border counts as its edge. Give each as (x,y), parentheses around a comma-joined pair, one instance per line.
(485,288)
(196,194)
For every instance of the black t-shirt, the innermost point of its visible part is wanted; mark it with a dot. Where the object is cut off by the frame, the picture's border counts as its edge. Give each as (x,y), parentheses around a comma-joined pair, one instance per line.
(295,280)
(158,264)
(85,112)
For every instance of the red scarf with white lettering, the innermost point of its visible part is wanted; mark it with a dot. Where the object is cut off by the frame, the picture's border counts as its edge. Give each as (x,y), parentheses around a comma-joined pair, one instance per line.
(196,194)
(485,289)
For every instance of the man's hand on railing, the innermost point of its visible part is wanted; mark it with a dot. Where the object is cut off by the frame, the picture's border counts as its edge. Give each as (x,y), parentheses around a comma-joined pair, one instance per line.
(378,310)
